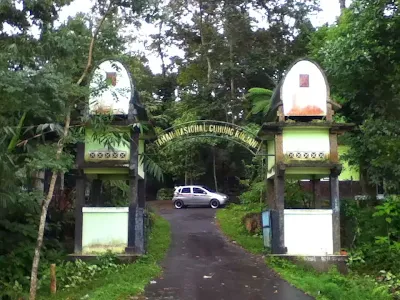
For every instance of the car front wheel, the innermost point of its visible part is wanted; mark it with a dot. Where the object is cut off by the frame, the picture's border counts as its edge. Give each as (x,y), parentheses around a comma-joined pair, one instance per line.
(214,203)
(178,204)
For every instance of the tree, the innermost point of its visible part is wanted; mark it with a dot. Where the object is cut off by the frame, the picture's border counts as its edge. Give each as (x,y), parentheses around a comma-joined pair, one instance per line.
(360,55)
(342,4)
(56,78)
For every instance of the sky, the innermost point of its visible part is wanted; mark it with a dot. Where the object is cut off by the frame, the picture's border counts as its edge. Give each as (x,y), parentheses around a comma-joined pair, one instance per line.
(329,13)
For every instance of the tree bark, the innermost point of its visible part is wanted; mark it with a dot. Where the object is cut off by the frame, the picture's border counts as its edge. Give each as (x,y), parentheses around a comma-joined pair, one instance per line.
(186,172)
(342,4)
(215,171)
(45,206)
(203,45)
(60,148)
(160,52)
(232,79)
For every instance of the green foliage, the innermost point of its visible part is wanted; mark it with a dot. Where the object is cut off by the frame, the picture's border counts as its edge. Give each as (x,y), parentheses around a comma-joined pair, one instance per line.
(18,232)
(254,194)
(295,196)
(44,157)
(127,281)
(389,282)
(375,231)
(152,167)
(165,194)
(378,135)
(260,99)
(73,274)
(328,285)
(390,212)
(230,222)
(360,55)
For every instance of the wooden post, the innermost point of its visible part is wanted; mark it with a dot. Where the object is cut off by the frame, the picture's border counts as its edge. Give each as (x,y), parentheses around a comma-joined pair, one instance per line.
(133,192)
(333,145)
(53,279)
(142,193)
(79,203)
(277,212)
(271,194)
(335,203)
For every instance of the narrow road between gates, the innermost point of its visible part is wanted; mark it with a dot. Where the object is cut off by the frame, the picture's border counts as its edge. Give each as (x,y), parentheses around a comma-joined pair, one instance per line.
(203,265)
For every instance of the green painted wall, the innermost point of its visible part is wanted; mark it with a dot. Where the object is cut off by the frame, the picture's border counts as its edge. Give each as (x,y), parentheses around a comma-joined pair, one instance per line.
(91,145)
(141,166)
(306,139)
(105,228)
(271,159)
(348,172)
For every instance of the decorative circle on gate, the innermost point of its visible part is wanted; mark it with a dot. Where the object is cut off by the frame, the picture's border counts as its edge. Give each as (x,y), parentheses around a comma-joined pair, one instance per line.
(107,155)
(306,155)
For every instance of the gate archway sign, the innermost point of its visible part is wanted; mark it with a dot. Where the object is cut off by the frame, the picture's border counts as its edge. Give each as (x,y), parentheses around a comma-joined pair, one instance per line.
(213,129)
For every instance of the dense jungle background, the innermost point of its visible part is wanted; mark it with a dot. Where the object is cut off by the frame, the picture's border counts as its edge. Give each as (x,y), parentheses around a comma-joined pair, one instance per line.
(228,63)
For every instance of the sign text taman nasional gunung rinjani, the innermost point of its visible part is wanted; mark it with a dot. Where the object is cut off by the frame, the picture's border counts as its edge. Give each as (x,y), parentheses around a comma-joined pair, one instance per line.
(206,128)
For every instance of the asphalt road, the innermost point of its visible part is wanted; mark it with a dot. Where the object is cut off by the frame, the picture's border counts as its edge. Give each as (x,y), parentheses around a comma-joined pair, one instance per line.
(203,265)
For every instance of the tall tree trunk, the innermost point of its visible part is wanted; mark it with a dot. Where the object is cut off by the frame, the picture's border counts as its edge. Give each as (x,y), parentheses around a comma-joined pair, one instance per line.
(186,172)
(342,4)
(204,46)
(60,148)
(215,171)
(45,206)
(160,51)
(232,79)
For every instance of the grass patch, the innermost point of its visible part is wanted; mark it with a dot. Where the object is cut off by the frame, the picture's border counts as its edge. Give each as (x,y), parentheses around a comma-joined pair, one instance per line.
(230,221)
(131,280)
(323,286)
(329,285)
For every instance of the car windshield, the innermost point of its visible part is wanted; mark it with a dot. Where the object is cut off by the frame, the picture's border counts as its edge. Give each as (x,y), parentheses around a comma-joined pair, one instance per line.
(208,189)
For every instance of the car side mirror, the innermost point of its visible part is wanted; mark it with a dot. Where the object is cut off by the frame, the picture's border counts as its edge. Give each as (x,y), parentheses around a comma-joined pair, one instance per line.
(205,193)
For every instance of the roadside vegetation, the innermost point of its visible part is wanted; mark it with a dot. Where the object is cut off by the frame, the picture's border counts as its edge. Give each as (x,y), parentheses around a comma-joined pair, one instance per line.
(227,67)
(323,286)
(106,279)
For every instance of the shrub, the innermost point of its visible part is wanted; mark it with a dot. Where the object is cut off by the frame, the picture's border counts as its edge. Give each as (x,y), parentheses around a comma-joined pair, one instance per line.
(165,194)
(254,194)
(74,273)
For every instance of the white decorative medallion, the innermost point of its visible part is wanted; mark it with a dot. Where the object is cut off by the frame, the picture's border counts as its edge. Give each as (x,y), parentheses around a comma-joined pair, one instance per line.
(111,89)
(304,91)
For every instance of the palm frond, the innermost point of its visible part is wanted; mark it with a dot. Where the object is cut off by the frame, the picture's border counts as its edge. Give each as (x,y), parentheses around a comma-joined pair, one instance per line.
(260,99)
(151,167)
(14,140)
(260,91)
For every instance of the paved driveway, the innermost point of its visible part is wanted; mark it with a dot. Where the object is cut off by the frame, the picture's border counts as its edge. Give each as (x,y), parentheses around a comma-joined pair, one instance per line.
(202,265)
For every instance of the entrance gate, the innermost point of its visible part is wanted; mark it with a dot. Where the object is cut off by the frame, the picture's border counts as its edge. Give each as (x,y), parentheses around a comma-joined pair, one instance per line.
(299,140)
